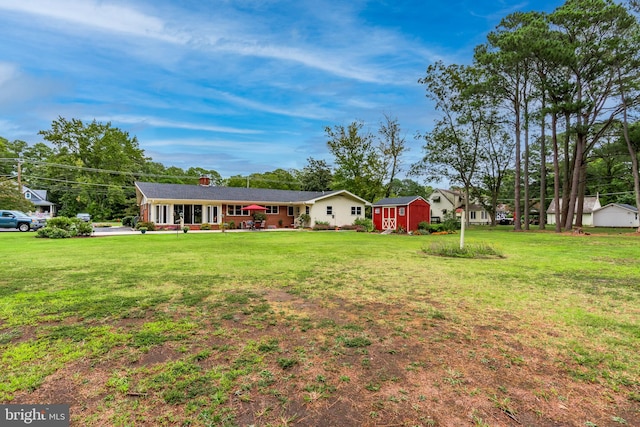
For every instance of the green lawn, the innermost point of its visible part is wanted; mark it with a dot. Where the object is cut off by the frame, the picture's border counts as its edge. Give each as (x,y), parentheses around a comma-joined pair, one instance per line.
(275,328)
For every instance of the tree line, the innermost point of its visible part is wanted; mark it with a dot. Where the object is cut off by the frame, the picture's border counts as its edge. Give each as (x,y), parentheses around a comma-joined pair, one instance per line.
(546,97)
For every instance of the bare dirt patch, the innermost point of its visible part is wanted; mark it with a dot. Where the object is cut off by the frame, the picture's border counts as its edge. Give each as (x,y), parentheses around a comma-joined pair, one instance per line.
(336,363)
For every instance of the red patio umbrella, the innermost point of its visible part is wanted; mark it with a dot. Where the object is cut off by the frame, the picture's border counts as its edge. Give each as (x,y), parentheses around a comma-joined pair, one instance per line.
(254,208)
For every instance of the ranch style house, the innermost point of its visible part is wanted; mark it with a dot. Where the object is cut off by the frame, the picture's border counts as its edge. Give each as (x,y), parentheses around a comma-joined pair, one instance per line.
(168,204)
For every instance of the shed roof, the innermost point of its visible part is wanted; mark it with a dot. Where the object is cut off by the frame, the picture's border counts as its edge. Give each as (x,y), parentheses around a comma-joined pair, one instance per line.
(397,201)
(620,205)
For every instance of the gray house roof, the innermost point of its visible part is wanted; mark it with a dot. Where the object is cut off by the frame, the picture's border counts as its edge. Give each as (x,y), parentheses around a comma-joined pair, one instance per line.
(587,207)
(620,205)
(396,201)
(38,197)
(157,191)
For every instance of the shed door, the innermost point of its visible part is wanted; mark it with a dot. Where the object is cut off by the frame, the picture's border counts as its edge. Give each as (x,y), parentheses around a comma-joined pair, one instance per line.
(389,218)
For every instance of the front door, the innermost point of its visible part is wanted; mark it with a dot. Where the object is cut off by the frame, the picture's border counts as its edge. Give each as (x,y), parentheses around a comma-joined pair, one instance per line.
(389,218)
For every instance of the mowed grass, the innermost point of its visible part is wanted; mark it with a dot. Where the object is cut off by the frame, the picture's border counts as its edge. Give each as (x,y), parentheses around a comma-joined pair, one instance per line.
(112,300)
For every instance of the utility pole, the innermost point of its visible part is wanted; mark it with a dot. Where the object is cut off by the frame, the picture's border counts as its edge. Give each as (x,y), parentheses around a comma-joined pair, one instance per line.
(20,174)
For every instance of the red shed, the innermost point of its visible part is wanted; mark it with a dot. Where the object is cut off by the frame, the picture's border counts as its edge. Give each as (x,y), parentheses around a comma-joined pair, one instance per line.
(401,212)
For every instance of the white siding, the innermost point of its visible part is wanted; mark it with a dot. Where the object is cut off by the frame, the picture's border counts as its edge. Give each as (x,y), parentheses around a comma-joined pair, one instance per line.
(587,219)
(615,216)
(341,211)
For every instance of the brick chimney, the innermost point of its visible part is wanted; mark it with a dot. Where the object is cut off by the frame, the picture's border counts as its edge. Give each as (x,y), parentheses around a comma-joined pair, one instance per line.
(205,181)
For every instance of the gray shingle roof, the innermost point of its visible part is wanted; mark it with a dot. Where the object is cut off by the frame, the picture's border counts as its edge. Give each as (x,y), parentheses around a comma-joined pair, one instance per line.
(626,206)
(395,201)
(232,194)
(587,207)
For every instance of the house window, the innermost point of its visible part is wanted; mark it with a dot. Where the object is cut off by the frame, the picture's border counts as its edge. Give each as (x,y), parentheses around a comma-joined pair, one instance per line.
(436,199)
(356,210)
(27,195)
(306,210)
(376,210)
(401,211)
(161,214)
(212,214)
(272,209)
(483,215)
(290,210)
(472,215)
(236,210)
(329,210)
(190,214)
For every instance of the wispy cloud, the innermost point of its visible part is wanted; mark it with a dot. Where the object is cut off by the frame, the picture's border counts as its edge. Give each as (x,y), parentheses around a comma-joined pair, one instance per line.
(169,124)
(355,58)
(98,15)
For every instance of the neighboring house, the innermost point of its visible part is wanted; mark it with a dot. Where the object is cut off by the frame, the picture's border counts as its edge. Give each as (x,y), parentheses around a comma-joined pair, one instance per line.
(588,207)
(43,207)
(445,202)
(164,204)
(616,215)
(401,212)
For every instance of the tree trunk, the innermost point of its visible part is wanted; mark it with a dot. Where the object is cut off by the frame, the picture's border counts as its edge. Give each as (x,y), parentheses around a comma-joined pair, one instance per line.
(582,188)
(527,196)
(575,183)
(467,190)
(542,220)
(556,170)
(518,211)
(566,178)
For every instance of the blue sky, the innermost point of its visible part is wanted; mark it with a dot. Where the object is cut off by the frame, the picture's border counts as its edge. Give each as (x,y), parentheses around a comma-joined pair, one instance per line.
(239,86)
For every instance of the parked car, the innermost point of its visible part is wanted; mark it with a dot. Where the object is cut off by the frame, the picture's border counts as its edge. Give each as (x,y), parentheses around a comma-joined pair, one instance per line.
(84,216)
(15,219)
(38,223)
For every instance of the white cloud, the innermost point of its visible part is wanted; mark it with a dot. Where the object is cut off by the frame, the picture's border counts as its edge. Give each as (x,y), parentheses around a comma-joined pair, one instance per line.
(99,15)
(162,123)
(351,48)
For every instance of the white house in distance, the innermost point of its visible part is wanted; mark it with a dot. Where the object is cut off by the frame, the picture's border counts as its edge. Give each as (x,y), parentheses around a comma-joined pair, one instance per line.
(591,204)
(616,215)
(444,202)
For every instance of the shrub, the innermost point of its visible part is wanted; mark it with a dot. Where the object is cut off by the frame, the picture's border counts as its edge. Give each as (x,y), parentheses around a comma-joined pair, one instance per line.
(365,223)
(450,222)
(435,228)
(149,225)
(205,226)
(127,221)
(322,225)
(62,227)
(259,216)
(423,226)
(60,222)
(53,233)
(82,228)
(304,219)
